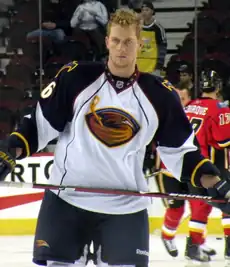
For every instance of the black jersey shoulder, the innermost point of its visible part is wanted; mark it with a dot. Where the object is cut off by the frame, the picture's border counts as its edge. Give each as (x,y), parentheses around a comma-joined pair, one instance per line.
(82,74)
(71,80)
(159,91)
(166,103)
(55,104)
(57,98)
(74,77)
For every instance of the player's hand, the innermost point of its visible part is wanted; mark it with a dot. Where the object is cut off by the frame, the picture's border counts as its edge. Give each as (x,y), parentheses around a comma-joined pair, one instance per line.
(216,186)
(220,189)
(7,160)
(209,181)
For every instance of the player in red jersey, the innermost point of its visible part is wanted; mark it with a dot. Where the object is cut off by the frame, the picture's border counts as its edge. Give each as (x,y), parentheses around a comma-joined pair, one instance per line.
(211,121)
(209,117)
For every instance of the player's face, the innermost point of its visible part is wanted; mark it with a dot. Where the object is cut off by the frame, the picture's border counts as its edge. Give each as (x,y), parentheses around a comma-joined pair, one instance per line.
(184,97)
(185,77)
(123,45)
(146,13)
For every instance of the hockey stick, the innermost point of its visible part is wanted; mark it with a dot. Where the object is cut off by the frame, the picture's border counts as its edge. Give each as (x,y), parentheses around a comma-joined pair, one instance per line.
(111,191)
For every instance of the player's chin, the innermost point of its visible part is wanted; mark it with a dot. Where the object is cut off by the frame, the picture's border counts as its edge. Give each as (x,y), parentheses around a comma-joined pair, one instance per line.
(122,63)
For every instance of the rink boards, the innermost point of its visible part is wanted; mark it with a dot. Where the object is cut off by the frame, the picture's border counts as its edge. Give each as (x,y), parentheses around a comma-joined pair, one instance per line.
(19,207)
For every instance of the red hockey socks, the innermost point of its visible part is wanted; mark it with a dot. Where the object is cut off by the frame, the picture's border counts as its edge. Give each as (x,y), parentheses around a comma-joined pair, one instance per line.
(171,222)
(198,221)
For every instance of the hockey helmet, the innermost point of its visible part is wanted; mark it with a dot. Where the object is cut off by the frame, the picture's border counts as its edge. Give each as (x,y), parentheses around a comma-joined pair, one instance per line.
(210,81)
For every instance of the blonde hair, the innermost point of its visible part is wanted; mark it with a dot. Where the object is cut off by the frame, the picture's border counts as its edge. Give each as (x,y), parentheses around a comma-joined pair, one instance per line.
(124,18)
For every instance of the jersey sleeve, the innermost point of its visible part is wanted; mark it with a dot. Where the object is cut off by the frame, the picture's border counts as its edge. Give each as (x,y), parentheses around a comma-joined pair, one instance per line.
(220,126)
(162,45)
(50,116)
(160,34)
(176,142)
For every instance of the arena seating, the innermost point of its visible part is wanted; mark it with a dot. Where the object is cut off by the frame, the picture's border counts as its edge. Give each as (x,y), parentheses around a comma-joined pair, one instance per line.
(20,56)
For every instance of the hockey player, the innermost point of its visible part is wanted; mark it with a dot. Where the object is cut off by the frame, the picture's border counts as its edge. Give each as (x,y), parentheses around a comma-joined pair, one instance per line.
(207,111)
(211,122)
(104,116)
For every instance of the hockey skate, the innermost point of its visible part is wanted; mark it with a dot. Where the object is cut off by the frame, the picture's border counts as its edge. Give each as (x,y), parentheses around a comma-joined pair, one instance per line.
(195,253)
(170,246)
(209,251)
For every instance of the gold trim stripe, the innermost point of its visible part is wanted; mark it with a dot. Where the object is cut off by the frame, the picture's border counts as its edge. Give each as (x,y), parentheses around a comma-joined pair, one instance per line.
(26,143)
(223,145)
(195,230)
(213,154)
(195,170)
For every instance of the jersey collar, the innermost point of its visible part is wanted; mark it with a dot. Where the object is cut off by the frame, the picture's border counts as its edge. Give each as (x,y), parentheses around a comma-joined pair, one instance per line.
(119,83)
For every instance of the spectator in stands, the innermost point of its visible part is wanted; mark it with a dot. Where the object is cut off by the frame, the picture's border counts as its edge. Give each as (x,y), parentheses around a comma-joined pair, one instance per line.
(152,55)
(50,29)
(56,24)
(186,77)
(91,18)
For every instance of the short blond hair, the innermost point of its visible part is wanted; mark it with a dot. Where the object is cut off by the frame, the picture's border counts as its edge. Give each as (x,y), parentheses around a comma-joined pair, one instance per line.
(125,17)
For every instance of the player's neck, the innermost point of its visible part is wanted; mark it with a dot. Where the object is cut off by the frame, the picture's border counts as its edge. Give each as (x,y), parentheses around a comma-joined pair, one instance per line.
(210,95)
(121,72)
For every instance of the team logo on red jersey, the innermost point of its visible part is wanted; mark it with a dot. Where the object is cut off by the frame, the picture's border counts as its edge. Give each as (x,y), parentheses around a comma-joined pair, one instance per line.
(113,127)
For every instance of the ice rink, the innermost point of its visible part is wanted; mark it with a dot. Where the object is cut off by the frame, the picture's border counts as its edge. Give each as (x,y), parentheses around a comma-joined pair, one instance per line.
(16,251)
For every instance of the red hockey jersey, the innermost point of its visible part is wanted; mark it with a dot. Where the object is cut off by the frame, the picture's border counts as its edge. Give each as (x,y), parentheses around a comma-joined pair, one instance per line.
(211,122)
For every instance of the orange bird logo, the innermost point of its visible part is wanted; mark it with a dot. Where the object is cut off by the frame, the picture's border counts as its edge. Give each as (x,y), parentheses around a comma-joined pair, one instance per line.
(113,127)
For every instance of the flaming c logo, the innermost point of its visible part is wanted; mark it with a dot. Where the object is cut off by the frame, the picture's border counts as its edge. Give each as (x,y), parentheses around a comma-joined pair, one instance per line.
(113,127)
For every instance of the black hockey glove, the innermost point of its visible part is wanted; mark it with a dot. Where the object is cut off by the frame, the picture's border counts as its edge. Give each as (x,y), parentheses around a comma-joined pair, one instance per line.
(7,159)
(220,190)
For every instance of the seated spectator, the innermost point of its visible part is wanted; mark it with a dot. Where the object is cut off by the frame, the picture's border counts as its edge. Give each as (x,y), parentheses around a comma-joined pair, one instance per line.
(185,86)
(57,27)
(49,29)
(90,17)
(186,77)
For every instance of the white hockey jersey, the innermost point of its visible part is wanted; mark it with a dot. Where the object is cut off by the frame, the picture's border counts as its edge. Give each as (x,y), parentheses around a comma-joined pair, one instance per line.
(103,124)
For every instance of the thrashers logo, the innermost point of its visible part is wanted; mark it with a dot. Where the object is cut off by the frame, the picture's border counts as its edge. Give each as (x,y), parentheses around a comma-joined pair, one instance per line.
(41,243)
(113,127)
